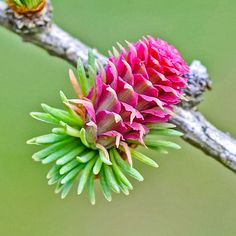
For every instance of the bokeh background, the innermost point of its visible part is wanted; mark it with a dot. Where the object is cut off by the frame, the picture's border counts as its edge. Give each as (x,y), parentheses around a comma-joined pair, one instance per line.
(189,195)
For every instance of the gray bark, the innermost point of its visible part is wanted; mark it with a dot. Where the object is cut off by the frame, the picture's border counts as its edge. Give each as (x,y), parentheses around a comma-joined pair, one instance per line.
(203,135)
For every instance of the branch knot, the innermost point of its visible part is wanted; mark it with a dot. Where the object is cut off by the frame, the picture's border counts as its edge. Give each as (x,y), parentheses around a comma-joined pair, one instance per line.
(25,24)
(198,83)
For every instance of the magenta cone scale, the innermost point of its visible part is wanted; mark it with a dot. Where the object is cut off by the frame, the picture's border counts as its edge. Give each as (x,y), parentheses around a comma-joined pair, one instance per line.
(125,104)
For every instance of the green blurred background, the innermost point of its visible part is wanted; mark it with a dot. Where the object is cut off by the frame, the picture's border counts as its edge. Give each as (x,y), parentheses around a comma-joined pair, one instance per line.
(189,195)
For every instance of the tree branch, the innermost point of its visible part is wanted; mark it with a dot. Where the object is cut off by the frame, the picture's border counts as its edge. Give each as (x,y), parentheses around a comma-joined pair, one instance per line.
(50,37)
(197,130)
(203,135)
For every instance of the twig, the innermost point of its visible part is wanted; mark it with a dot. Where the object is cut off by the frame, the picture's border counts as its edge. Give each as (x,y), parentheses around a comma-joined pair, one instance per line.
(51,38)
(203,135)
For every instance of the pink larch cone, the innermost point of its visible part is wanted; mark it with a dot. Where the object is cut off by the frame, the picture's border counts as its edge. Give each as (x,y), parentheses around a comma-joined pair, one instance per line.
(127,104)
(139,86)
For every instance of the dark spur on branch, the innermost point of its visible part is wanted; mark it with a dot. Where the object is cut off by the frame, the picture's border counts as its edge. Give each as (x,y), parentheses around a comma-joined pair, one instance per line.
(119,107)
